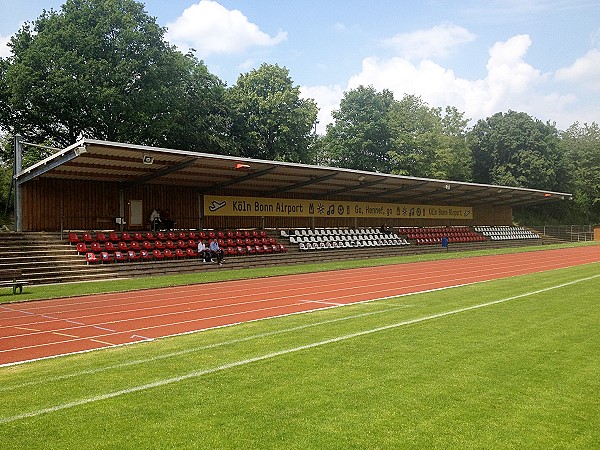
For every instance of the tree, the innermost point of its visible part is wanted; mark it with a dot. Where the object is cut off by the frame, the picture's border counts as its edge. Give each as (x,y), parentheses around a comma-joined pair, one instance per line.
(453,158)
(269,119)
(514,149)
(581,146)
(360,137)
(101,69)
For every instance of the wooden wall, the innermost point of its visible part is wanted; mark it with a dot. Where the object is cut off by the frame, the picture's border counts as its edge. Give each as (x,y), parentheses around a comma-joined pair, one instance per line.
(54,205)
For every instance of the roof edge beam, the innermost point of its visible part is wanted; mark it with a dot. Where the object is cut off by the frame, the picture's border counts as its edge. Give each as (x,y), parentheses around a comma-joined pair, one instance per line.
(159,173)
(301,184)
(350,188)
(247,177)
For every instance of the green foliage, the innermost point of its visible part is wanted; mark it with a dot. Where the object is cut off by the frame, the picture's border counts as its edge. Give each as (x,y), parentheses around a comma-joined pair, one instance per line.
(581,146)
(360,137)
(269,119)
(513,149)
(374,132)
(101,69)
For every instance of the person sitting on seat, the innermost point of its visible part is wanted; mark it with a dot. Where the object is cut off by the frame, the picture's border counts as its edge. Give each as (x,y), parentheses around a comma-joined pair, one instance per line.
(155,221)
(216,251)
(203,252)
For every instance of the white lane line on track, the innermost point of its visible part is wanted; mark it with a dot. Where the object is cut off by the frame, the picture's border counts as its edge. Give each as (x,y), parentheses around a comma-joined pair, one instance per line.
(414,284)
(199,373)
(195,349)
(147,297)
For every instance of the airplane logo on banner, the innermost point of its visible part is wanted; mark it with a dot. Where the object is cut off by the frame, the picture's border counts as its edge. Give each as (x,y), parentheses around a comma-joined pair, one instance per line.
(215,205)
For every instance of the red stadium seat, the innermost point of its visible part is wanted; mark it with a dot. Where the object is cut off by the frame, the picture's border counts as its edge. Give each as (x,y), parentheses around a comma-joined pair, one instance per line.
(157,254)
(132,256)
(81,248)
(147,245)
(168,253)
(119,256)
(170,245)
(190,252)
(145,255)
(160,236)
(73,238)
(192,235)
(90,257)
(179,253)
(150,236)
(137,236)
(125,236)
(159,245)
(96,247)
(105,257)
(135,245)
(110,247)
(181,243)
(101,237)
(87,237)
(113,236)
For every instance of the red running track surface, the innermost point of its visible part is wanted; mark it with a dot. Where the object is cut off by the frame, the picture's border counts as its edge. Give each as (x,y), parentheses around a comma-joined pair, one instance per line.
(41,329)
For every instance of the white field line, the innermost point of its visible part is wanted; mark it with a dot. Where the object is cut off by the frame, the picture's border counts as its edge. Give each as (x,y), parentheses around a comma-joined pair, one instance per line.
(193,349)
(199,373)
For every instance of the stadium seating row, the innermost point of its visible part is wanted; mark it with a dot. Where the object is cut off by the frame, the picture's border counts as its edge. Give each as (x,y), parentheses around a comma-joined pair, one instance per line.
(433,235)
(178,253)
(115,237)
(341,238)
(503,233)
(119,247)
(124,246)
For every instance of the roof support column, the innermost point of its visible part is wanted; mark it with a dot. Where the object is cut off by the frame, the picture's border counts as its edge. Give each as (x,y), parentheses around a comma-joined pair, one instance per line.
(121,220)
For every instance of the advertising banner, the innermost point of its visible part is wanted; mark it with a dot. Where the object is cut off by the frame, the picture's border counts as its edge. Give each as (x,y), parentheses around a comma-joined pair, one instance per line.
(220,205)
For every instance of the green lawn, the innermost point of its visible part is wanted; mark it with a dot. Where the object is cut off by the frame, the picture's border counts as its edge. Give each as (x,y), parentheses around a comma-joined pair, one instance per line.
(509,363)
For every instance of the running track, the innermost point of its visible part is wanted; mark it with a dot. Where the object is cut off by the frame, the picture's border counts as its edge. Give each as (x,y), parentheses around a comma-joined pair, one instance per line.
(41,329)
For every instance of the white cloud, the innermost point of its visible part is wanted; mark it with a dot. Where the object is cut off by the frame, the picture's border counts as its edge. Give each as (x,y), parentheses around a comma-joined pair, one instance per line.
(436,41)
(510,83)
(585,70)
(5,50)
(508,77)
(327,98)
(210,28)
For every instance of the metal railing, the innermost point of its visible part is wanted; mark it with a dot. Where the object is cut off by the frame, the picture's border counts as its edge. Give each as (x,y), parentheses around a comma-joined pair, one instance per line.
(570,233)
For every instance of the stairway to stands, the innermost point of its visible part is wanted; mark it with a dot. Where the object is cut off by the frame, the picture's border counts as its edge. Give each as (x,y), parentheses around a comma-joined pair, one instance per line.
(44,258)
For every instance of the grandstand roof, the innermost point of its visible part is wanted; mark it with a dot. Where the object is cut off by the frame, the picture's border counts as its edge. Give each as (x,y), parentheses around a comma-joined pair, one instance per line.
(131,165)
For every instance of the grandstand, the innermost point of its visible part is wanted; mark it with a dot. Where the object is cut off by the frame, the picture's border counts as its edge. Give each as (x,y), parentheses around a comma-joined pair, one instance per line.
(102,193)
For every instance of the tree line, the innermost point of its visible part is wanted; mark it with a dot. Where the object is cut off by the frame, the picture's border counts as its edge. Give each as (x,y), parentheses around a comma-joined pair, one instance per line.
(102,69)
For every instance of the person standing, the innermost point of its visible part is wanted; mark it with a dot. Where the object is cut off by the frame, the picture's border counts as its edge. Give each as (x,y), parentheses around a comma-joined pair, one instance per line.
(155,220)
(445,242)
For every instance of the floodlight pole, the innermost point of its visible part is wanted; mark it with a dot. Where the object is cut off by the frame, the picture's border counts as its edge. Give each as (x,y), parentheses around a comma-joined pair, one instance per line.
(17,167)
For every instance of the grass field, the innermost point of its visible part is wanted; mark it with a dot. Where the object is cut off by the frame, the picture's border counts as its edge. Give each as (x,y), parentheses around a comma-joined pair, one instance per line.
(509,363)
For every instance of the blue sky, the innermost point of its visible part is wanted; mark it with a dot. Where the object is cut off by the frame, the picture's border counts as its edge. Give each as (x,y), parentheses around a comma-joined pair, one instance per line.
(537,56)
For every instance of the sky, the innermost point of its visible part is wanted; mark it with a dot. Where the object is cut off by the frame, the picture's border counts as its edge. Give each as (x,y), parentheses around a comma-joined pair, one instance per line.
(541,57)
